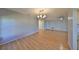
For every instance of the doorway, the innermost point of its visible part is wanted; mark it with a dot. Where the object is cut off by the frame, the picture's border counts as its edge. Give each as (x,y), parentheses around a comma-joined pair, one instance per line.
(41,24)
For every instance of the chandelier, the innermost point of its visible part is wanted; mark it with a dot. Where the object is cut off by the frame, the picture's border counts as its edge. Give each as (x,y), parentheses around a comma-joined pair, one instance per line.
(41,14)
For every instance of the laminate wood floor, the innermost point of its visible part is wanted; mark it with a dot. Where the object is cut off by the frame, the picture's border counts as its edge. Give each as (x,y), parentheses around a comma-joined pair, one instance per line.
(42,40)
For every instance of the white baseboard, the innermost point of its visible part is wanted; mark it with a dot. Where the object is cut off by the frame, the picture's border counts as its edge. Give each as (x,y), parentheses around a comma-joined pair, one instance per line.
(17,38)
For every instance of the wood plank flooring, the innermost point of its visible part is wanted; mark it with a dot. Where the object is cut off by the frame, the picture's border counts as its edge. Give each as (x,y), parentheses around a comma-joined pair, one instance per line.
(43,40)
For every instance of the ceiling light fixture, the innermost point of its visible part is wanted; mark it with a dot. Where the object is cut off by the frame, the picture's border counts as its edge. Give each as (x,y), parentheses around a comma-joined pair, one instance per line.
(61,18)
(41,15)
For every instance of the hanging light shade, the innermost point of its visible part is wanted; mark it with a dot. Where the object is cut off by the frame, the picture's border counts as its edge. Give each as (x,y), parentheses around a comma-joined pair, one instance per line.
(61,18)
(38,16)
(41,16)
(44,16)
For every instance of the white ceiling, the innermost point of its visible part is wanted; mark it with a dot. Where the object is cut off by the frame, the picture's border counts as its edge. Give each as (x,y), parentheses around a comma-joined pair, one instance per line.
(52,11)
(21,10)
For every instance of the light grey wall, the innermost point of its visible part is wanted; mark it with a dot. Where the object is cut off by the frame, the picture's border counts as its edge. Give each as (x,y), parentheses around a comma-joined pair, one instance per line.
(70,32)
(72,29)
(0,26)
(78,16)
(74,33)
(15,25)
(56,24)
(78,22)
